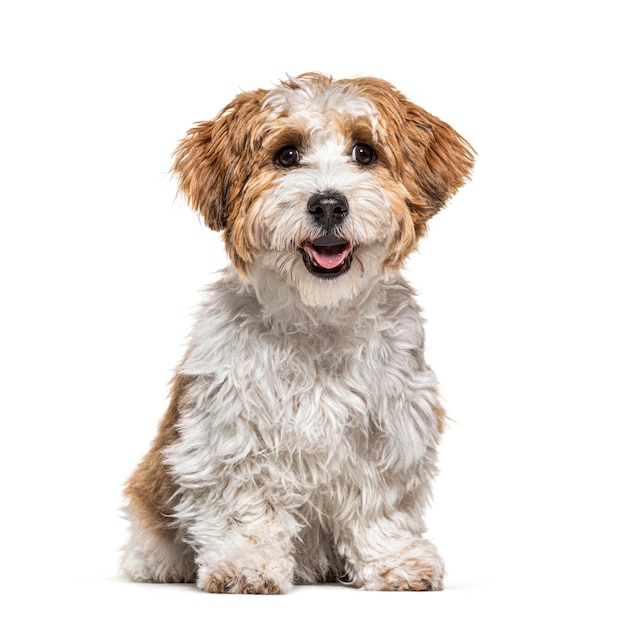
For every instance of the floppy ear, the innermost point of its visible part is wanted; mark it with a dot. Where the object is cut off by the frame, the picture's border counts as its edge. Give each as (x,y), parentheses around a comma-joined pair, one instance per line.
(436,163)
(426,155)
(211,161)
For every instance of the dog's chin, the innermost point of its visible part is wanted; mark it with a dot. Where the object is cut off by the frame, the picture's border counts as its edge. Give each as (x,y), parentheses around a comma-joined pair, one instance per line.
(328,256)
(319,276)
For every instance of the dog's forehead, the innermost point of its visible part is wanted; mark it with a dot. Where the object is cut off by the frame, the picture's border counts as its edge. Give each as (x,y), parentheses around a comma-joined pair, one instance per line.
(312,102)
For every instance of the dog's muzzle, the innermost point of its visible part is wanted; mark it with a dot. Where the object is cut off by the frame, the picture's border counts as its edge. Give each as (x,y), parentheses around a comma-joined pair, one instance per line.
(329,255)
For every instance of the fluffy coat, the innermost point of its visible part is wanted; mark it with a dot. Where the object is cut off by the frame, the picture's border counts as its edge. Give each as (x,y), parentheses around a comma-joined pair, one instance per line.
(301,437)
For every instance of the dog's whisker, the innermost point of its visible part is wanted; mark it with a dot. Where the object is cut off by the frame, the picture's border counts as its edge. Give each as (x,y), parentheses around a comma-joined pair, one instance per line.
(285,260)
(358,260)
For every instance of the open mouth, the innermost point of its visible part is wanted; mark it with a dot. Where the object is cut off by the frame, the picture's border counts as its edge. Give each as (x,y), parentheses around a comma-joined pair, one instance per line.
(327,256)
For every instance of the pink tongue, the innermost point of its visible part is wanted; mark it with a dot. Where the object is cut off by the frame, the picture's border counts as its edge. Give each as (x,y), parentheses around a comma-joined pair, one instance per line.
(330,259)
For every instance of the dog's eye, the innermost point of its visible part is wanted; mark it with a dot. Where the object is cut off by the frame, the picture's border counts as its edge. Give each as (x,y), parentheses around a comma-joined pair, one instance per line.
(288,156)
(363,154)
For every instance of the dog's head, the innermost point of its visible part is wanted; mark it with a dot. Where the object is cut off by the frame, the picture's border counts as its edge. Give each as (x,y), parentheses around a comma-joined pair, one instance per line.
(328,183)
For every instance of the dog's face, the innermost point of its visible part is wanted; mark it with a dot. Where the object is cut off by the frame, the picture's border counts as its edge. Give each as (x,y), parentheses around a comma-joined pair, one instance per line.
(327,183)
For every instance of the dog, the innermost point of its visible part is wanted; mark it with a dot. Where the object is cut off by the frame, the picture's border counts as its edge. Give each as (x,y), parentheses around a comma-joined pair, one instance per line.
(300,441)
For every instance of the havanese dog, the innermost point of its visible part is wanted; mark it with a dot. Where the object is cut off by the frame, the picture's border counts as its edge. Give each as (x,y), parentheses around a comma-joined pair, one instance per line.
(300,442)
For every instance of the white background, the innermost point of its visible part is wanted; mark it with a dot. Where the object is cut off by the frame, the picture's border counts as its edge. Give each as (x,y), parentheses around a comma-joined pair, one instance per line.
(521,279)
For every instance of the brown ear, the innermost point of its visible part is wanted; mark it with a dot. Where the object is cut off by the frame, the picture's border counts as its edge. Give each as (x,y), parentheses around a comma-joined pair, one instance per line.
(213,156)
(430,159)
(436,162)
(447,156)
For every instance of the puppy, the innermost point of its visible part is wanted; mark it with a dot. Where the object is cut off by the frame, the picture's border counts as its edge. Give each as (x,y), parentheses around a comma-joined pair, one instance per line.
(300,442)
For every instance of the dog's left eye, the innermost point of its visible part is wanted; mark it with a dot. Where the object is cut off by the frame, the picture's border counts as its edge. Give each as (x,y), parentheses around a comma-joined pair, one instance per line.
(288,156)
(363,154)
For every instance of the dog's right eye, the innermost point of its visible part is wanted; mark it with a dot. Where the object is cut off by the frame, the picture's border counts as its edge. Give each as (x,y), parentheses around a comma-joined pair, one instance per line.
(288,157)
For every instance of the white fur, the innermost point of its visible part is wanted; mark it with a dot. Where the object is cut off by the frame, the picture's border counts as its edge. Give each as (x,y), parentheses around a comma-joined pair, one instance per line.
(148,557)
(306,102)
(281,221)
(301,428)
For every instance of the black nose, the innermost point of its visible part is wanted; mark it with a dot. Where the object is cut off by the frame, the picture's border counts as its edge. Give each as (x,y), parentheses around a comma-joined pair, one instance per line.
(328,210)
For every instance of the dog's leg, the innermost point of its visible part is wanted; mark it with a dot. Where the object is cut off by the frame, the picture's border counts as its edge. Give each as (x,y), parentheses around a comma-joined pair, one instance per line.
(251,555)
(153,556)
(387,554)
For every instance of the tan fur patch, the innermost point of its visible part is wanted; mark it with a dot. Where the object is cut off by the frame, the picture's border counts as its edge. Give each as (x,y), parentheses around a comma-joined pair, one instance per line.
(150,488)
(429,159)
(442,417)
(214,162)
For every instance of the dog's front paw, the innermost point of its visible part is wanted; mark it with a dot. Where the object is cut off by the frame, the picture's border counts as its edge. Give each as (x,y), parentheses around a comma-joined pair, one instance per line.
(412,575)
(419,571)
(230,580)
